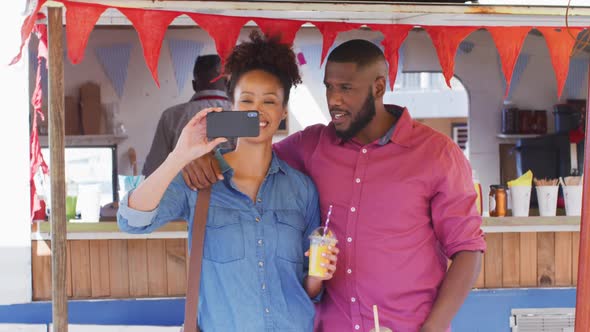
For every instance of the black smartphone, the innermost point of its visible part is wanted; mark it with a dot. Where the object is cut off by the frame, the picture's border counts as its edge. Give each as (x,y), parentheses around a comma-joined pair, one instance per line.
(233,124)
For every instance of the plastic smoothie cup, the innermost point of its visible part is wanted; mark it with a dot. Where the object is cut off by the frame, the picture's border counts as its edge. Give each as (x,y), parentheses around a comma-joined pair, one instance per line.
(381,329)
(319,244)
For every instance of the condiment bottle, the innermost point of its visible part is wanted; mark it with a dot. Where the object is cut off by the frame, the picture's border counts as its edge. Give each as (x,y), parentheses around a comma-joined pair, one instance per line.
(497,201)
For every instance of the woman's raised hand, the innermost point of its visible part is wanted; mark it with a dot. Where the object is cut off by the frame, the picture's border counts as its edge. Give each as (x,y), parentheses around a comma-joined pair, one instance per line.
(193,142)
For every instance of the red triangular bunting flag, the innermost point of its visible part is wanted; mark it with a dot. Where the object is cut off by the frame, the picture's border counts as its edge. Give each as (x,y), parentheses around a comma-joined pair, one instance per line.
(25,30)
(394,38)
(446,40)
(80,20)
(151,27)
(285,29)
(560,44)
(509,41)
(330,31)
(224,30)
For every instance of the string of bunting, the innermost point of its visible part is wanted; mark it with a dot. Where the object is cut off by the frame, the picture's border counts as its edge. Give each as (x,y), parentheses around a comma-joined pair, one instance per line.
(151,26)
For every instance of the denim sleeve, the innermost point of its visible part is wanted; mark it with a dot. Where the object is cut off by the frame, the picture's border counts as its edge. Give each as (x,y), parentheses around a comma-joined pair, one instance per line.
(173,206)
(312,218)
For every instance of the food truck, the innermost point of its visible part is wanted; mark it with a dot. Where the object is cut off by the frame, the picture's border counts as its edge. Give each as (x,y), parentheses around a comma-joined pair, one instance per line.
(115,66)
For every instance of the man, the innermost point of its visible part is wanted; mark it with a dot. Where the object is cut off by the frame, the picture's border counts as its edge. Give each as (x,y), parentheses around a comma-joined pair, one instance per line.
(209,92)
(403,203)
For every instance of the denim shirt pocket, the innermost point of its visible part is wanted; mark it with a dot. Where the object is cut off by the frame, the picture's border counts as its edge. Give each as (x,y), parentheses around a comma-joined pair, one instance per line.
(224,236)
(290,231)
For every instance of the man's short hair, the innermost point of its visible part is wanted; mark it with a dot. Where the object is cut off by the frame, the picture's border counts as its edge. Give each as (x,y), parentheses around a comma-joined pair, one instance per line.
(207,67)
(359,51)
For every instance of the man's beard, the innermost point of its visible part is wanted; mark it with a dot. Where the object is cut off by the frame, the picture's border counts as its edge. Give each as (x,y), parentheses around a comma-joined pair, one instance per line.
(361,120)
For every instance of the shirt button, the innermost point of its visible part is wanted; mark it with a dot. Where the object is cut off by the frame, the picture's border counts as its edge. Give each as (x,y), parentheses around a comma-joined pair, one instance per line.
(259,200)
(357,180)
(357,327)
(267,310)
(352,299)
(364,150)
(260,242)
(352,209)
(263,286)
(349,271)
(257,219)
(349,239)
(261,263)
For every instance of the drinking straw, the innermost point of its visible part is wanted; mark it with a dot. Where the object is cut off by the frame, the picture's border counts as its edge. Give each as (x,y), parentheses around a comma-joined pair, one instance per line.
(545,182)
(327,220)
(376,318)
(573,180)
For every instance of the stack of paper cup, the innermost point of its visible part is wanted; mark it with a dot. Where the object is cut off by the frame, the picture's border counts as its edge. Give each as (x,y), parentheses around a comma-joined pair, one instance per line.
(547,198)
(521,200)
(573,200)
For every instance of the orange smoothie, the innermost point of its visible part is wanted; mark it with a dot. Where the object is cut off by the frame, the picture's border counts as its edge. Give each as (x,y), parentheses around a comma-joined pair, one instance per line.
(316,259)
(319,246)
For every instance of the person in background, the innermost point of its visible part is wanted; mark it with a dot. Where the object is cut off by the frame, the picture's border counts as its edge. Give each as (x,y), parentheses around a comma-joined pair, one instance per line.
(209,92)
(403,197)
(254,270)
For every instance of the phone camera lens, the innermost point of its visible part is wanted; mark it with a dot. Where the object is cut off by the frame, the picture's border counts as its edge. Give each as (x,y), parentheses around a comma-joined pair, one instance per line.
(252,115)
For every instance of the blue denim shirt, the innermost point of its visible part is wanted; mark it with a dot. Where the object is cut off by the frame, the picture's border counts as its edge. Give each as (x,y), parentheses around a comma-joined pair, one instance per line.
(253,258)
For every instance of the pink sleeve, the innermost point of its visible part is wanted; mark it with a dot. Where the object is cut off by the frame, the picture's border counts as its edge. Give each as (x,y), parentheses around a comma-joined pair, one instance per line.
(457,224)
(296,149)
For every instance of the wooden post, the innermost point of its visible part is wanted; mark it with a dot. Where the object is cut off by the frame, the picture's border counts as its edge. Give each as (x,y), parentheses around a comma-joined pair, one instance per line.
(57,171)
(583,292)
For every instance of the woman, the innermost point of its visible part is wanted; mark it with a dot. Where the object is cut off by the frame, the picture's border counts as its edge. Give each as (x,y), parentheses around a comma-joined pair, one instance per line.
(254,272)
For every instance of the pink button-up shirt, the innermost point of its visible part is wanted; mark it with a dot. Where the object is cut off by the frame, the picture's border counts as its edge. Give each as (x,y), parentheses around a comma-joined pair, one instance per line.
(400,210)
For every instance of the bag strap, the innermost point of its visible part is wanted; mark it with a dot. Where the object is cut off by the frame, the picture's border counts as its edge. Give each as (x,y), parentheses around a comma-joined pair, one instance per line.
(195,259)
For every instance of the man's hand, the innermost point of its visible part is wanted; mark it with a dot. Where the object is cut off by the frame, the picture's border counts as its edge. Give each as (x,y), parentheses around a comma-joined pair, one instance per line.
(455,287)
(202,172)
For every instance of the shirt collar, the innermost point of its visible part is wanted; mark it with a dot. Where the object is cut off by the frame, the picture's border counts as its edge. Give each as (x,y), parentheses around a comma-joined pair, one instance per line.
(402,135)
(400,132)
(275,165)
(204,93)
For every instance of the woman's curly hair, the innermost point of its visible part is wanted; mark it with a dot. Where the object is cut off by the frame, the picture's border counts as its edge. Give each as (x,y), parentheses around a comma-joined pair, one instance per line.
(266,54)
